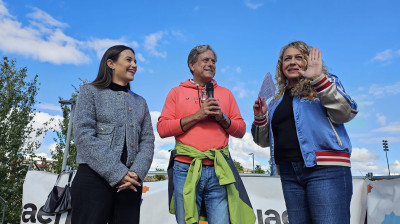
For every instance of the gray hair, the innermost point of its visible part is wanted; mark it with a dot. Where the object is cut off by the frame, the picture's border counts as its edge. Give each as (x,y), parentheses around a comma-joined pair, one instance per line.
(194,54)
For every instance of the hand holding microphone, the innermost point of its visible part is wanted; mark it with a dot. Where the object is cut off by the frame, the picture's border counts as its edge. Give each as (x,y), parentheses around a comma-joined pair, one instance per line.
(210,89)
(210,93)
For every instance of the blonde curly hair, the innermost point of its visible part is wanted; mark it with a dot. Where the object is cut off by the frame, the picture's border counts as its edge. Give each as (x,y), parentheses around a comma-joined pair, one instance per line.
(302,87)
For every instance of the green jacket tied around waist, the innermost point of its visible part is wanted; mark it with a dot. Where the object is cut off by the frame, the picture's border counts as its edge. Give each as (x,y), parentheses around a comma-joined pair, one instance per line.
(240,209)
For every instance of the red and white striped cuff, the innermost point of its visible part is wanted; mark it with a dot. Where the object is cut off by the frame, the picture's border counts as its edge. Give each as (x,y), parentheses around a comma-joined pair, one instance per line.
(333,159)
(260,121)
(321,83)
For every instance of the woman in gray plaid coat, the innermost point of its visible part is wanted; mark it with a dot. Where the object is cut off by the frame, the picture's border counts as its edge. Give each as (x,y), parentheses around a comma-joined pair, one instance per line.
(115,143)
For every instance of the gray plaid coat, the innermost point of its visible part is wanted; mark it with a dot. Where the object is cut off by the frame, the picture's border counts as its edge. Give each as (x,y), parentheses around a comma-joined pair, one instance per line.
(103,120)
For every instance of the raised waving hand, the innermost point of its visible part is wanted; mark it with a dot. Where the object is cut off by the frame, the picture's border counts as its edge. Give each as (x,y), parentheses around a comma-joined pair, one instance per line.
(314,64)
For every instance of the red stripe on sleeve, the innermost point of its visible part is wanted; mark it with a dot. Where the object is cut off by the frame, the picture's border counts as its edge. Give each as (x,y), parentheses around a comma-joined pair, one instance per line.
(326,85)
(320,82)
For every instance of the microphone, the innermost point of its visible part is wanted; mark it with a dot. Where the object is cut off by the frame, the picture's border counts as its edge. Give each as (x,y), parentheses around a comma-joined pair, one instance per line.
(210,92)
(210,89)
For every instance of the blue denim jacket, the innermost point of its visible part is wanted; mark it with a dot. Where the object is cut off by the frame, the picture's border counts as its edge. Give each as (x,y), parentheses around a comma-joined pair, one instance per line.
(319,125)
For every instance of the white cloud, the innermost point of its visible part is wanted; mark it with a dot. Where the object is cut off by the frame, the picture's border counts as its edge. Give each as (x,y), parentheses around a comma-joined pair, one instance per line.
(42,39)
(383,56)
(154,118)
(134,45)
(241,147)
(161,159)
(240,91)
(365,103)
(361,169)
(364,161)
(140,57)
(43,121)
(381,119)
(239,70)
(52,147)
(43,155)
(381,91)
(178,34)
(101,45)
(47,106)
(161,154)
(45,150)
(224,69)
(142,69)
(363,155)
(39,121)
(45,19)
(252,5)
(395,168)
(4,10)
(392,127)
(386,56)
(151,42)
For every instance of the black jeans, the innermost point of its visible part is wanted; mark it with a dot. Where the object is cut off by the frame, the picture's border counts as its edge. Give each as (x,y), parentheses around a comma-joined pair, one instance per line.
(95,201)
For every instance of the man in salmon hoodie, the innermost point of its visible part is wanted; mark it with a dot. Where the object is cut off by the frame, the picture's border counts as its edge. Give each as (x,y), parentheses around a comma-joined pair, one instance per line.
(203,181)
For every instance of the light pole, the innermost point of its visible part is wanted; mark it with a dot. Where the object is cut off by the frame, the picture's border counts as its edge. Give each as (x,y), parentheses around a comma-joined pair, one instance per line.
(252,154)
(66,150)
(386,149)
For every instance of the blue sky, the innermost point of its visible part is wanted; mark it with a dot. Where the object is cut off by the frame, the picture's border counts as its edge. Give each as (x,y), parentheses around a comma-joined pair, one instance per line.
(63,41)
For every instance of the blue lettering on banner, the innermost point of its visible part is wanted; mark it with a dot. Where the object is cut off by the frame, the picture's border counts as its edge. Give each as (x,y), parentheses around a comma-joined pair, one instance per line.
(272,217)
(30,214)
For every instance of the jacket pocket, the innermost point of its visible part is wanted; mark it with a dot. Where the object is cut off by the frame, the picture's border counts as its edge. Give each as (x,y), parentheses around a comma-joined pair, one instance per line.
(105,132)
(334,131)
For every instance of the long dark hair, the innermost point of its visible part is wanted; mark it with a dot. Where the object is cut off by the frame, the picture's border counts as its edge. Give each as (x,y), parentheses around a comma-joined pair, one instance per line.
(104,76)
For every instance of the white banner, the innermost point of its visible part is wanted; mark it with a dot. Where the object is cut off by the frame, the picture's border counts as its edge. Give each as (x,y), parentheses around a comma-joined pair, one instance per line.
(384,202)
(265,195)
(37,187)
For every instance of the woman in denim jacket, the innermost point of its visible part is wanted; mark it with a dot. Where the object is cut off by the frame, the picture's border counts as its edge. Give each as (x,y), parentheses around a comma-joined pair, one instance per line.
(115,144)
(310,148)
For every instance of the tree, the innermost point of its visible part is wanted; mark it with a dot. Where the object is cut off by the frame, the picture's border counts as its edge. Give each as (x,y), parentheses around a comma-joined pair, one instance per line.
(270,167)
(258,169)
(160,177)
(239,167)
(58,153)
(17,142)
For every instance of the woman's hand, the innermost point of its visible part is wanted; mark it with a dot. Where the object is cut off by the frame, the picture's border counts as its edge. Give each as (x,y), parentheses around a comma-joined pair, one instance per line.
(130,180)
(314,65)
(260,107)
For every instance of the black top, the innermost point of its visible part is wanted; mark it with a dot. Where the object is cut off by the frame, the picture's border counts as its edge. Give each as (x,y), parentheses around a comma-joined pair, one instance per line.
(287,146)
(116,87)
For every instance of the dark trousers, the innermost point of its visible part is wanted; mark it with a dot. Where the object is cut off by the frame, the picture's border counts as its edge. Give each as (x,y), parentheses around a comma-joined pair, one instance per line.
(95,201)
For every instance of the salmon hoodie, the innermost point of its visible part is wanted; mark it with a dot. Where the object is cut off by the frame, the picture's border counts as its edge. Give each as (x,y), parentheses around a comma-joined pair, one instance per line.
(185,100)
